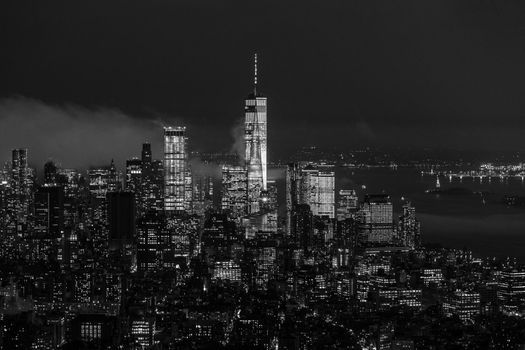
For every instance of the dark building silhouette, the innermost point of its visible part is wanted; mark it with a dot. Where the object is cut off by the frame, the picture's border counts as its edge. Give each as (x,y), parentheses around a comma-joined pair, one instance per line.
(121,218)
(151,186)
(134,180)
(302,226)
(49,212)
(50,173)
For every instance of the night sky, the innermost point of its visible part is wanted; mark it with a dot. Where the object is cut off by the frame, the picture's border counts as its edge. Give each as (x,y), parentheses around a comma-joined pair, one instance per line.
(83,82)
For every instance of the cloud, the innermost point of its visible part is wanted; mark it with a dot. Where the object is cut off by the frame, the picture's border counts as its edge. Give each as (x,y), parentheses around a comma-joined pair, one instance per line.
(276,174)
(237,132)
(200,168)
(73,135)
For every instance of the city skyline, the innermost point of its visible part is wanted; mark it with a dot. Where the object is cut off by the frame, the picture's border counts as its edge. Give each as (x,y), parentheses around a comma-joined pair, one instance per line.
(262,175)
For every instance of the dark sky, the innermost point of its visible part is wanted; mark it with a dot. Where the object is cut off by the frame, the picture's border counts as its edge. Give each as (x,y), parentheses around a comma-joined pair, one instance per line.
(337,73)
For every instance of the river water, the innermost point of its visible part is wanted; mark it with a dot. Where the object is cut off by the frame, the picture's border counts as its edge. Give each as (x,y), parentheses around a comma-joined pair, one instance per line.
(480,222)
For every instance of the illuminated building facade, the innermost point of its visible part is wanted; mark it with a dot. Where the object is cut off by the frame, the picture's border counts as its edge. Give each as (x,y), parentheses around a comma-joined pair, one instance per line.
(409,227)
(511,290)
(114,178)
(376,219)
(165,242)
(182,230)
(432,276)
(133,174)
(151,241)
(347,204)
(311,185)
(188,191)
(134,178)
(175,169)
(464,304)
(234,195)
(227,270)
(20,184)
(98,182)
(143,331)
(72,179)
(318,191)
(255,142)
(94,328)
(49,212)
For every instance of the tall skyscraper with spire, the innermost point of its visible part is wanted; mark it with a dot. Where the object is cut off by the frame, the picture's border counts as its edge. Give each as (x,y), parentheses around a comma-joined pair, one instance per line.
(175,169)
(255,141)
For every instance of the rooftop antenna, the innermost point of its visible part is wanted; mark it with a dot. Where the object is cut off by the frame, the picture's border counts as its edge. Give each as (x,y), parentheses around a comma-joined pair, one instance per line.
(255,75)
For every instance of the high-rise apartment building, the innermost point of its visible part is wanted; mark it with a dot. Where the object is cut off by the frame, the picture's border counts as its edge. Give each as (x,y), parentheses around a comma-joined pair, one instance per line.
(255,142)
(511,290)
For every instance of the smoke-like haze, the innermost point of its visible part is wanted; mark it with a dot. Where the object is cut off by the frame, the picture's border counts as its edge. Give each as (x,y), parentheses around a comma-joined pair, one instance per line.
(72,135)
(237,133)
(200,168)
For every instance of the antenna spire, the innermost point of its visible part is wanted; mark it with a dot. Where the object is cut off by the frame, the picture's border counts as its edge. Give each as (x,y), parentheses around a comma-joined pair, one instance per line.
(255,75)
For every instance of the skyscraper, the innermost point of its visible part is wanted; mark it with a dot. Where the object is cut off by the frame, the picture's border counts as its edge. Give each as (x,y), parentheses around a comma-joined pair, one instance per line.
(255,142)
(98,182)
(134,179)
(175,165)
(20,182)
(318,190)
(376,219)
(293,180)
(50,173)
(151,182)
(48,221)
(49,211)
(312,184)
(301,226)
(511,290)
(234,190)
(347,204)
(409,227)
(114,178)
(157,185)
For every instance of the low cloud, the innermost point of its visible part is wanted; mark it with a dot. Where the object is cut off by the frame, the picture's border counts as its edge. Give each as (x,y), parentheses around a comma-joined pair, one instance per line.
(75,136)
(200,168)
(237,133)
